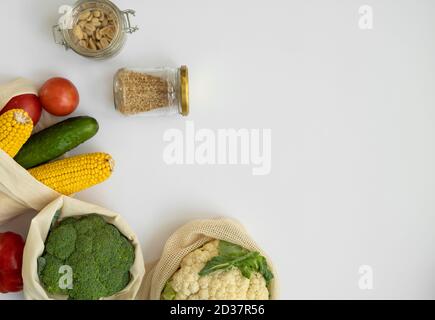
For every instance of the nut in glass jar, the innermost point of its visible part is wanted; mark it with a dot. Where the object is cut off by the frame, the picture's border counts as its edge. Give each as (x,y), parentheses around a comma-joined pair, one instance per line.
(158,91)
(95,29)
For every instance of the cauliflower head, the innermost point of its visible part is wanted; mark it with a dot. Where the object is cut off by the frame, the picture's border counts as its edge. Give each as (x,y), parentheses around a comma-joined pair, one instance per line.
(220,271)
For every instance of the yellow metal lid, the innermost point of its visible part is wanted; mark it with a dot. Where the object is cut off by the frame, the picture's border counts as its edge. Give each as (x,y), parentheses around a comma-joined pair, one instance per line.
(184,87)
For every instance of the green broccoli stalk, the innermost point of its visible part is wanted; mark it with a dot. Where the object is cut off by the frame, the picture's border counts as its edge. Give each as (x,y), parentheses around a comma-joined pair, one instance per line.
(99,255)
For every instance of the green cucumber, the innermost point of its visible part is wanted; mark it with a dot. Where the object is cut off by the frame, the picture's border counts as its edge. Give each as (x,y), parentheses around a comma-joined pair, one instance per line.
(56,140)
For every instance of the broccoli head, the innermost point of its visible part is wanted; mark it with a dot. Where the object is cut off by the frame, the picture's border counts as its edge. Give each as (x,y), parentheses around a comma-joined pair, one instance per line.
(50,275)
(99,255)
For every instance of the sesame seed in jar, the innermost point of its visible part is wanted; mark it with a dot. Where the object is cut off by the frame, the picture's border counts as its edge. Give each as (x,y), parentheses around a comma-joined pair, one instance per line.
(160,91)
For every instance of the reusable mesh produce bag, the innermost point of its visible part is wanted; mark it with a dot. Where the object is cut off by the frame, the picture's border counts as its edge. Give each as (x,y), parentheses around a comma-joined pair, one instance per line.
(19,191)
(62,208)
(189,238)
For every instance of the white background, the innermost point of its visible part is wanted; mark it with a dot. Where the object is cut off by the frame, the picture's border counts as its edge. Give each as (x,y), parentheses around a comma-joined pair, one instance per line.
(352,118)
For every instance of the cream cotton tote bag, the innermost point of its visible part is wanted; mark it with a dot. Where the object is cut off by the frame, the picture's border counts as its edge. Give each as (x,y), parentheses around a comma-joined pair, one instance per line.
(19,191)
(15,88)
(62,208)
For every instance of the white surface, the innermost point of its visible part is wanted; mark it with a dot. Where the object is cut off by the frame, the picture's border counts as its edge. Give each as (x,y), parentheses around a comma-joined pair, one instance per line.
(352,118)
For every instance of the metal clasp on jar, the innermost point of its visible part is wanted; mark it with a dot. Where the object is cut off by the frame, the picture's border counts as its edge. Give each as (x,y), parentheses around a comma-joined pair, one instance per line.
(128,27)
(58,36)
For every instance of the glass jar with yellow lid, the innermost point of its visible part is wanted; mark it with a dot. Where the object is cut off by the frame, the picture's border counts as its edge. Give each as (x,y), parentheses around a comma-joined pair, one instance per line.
(152,91)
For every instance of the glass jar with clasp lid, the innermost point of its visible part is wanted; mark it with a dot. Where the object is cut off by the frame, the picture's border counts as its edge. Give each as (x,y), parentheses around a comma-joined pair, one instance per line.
(94,29)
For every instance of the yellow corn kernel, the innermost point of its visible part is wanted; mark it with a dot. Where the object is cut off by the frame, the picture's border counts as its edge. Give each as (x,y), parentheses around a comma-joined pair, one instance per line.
(75,174)
(15,129)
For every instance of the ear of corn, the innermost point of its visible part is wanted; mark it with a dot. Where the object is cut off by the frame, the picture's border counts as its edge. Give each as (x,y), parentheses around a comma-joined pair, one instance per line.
(15,129)
(75,174)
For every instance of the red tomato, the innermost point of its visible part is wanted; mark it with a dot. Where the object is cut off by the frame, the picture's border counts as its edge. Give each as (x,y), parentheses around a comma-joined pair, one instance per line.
(29,103)
(11,261)
(59,97)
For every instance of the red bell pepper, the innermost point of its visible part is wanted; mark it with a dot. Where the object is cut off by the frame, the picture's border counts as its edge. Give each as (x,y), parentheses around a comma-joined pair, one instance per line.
(11,261)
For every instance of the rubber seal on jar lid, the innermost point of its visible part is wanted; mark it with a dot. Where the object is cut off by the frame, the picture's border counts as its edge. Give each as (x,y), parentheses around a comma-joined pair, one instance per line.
(184,86)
